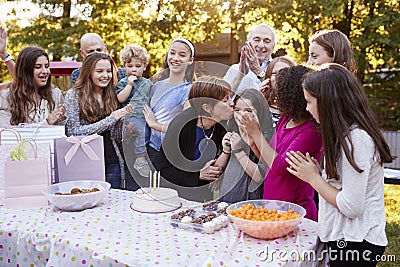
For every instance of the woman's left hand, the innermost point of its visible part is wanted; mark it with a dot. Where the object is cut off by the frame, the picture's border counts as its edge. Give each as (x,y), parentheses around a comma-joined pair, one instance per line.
(303,166)
(149,116)
(210,172)
(236,141)
(246,138)
(58,115)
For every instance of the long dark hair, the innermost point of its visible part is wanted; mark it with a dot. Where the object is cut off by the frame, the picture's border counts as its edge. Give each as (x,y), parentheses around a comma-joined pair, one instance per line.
(342,103)
(260,105)
(24,85)
(90,109)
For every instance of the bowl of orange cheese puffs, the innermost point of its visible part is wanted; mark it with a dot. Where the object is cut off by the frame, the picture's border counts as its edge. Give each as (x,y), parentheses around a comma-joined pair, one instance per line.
(266,219)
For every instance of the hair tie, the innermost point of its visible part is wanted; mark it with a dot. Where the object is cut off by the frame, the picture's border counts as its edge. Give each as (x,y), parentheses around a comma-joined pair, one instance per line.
(187,42)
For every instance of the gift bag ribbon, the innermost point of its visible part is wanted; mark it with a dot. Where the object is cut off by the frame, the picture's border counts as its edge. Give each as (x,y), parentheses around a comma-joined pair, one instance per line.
(83,144)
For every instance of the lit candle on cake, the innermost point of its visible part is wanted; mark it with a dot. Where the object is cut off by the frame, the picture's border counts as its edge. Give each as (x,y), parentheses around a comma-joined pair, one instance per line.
(158,180)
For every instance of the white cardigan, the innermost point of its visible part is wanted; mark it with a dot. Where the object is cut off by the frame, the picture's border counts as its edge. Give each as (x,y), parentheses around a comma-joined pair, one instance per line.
(361,213)
(34,117)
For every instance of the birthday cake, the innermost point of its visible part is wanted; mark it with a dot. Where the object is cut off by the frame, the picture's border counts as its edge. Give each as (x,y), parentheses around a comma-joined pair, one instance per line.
(155,200)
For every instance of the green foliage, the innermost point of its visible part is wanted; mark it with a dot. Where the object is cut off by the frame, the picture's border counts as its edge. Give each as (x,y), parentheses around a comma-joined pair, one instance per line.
(373,26)
(383,91)
(392,194)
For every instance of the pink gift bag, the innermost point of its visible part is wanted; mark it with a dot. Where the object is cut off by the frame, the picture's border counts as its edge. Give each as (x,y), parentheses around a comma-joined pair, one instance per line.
(79,158)
(24,180)
(41,134)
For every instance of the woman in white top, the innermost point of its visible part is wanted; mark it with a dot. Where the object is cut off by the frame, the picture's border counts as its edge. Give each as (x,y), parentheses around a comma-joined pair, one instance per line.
(351,209)
(31,98)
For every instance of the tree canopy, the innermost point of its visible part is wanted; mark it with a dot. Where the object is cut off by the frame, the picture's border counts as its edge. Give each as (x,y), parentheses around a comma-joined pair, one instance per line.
(371,25)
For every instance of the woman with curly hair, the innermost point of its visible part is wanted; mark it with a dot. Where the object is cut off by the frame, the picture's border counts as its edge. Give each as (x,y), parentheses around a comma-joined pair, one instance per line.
(31,98)
(92,107)
(295,131)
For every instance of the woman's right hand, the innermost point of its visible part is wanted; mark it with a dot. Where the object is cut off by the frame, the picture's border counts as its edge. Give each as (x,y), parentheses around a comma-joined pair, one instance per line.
(119,113)
(243,65)
(226,142)
(236,141)
(304,167)
(210,172)
(265,87)
(149,116)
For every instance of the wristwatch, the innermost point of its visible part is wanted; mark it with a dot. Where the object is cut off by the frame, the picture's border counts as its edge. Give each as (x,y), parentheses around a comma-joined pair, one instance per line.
(261,75)
(7,58)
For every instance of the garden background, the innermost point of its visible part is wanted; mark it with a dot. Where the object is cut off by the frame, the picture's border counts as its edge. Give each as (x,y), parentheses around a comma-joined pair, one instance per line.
(373,28)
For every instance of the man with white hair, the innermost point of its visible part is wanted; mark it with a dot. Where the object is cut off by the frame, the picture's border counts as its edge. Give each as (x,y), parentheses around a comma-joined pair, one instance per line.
(254,58)
(92,42)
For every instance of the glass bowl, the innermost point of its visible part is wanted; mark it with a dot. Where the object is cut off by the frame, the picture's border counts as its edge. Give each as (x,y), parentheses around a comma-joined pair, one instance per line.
(267,229)
(76,202)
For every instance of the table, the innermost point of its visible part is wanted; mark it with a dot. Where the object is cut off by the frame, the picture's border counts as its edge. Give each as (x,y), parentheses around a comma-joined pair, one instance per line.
(392,176)
(112,235)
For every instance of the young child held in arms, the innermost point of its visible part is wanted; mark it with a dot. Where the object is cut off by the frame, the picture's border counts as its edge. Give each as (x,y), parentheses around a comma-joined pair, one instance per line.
(135,90)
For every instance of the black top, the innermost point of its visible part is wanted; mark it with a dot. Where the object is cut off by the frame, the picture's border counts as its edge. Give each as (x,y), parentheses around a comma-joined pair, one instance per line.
(110,156)
(176,158)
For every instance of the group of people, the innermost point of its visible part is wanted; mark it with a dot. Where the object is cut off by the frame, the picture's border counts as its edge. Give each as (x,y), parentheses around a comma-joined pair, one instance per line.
(268,129)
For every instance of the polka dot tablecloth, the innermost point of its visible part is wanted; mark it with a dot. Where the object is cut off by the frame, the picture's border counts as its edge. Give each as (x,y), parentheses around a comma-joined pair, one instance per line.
(112,234)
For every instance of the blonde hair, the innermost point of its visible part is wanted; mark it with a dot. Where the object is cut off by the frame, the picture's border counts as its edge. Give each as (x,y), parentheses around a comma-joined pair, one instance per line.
(134,51)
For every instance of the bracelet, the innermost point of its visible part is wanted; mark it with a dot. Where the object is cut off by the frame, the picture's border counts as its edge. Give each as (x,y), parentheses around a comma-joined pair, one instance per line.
(240,157)
(227,153)
(237,150)
(8,58)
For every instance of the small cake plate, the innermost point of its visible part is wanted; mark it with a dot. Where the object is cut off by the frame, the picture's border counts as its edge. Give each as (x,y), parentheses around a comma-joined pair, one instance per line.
(155,212)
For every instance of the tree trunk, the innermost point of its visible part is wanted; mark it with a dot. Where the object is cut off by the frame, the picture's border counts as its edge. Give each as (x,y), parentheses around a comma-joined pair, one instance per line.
(234,56)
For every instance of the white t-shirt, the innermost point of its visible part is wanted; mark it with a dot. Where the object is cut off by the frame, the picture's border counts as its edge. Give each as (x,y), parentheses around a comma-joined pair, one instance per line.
(250,80)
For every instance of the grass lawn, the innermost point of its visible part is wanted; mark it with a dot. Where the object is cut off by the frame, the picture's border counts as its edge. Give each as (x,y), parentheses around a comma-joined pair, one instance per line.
(392,206)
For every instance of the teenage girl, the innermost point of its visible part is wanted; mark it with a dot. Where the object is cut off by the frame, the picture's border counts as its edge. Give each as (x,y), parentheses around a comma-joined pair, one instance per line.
(168,96)
(351,209)
(331,46)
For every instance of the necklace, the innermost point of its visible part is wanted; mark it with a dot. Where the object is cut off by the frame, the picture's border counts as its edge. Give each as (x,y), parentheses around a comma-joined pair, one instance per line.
(204,132)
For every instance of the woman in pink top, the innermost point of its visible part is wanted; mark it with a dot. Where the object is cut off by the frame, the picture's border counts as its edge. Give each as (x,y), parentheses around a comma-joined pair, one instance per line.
(295,131)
